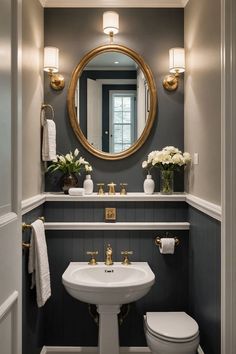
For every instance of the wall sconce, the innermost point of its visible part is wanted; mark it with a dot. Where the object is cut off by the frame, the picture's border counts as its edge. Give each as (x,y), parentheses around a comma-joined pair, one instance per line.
(176,67)
(51,65)
(111,24)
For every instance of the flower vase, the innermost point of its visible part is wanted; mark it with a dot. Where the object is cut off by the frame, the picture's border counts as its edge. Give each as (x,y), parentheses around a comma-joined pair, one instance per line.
(167,181)
(69,181)
(148,185)
(88,185)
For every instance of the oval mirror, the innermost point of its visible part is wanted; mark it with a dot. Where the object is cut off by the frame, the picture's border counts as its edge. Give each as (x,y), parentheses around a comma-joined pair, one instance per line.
(112,101)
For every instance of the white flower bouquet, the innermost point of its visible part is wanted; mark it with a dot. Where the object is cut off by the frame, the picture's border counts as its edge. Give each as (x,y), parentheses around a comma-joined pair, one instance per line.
(169,158)
(70,163)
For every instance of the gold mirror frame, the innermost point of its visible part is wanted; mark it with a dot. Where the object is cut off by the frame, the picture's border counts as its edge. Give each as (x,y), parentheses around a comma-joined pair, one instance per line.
(71,101)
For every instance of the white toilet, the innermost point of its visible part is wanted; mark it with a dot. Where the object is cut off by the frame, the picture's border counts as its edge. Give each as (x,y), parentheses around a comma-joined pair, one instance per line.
(171,333)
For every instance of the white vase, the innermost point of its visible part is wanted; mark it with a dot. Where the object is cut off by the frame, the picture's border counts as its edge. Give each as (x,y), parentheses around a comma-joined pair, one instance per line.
(148,185)
(88,185)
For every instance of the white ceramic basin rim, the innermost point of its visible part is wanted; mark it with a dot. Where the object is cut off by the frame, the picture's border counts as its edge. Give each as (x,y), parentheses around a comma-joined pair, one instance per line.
(101,284)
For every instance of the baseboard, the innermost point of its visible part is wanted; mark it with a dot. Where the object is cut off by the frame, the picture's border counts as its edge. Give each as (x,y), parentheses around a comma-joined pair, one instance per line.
(94,350)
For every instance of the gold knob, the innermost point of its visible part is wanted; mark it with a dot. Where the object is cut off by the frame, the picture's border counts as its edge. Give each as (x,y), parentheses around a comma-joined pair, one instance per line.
(92,254)
(123,188)
(100,188)
(126,260)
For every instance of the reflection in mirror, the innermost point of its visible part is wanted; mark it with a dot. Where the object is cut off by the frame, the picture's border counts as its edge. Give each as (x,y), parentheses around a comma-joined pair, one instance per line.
(112,102)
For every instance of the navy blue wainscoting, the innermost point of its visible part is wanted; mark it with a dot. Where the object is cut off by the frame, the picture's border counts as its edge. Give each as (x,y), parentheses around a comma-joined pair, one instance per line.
(68,322)
(126,211)
(205,279)
(32,316)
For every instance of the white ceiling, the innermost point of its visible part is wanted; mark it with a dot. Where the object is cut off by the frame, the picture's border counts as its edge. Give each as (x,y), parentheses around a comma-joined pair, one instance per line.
(114,3)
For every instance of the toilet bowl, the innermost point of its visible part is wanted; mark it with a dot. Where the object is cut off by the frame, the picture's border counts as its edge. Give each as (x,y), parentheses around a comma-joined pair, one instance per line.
(171,333)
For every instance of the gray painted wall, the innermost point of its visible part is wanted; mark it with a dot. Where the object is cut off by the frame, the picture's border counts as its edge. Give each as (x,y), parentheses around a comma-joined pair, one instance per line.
(32,96)
(203,97)
(205,278)
(150,32)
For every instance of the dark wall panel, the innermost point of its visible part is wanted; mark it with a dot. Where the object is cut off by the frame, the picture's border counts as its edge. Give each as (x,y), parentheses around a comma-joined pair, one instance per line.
(32,317)
(126,211)
(68,321)
(205,279)
(151,33)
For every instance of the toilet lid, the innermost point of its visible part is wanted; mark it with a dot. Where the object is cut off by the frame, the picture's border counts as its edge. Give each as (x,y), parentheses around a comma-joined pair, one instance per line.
(174,325)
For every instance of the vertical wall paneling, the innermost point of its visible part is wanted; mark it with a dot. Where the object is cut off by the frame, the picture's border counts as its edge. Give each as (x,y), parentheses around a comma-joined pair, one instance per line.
(205,278)
(33,323)
(67,320)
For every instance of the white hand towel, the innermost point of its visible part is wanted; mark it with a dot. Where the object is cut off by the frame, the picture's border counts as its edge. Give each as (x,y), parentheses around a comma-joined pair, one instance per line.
(167,245)
(49,141)
(38,263)
(76,191)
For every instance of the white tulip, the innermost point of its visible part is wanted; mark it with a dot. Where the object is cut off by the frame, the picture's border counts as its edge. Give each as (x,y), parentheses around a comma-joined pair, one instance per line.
(68,157)
(76,152)
(82,161)
(62,159)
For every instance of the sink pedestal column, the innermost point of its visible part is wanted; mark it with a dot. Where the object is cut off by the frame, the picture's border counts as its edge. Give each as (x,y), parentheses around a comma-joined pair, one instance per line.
(108,329)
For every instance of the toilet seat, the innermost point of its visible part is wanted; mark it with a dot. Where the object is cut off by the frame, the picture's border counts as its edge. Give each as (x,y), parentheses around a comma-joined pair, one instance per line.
(175,327)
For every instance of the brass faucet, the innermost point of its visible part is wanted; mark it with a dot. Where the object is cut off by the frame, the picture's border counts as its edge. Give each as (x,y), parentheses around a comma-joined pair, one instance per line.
(108,260)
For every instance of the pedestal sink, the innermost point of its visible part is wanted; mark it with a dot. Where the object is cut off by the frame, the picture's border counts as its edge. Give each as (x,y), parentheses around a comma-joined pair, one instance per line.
(108,287)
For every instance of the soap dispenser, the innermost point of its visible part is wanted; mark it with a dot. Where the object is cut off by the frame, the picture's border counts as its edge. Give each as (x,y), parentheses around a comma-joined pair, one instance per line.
(88,185)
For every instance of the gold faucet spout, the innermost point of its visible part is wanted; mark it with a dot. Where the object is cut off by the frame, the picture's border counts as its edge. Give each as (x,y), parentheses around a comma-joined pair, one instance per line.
(108,260)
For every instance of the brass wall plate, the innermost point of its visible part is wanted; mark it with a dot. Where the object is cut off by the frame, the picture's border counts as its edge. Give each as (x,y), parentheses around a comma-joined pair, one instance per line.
(110,214)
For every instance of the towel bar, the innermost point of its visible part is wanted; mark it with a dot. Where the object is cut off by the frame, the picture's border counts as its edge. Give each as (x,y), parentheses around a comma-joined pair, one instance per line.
(47,112)
(26,245)
(28,226)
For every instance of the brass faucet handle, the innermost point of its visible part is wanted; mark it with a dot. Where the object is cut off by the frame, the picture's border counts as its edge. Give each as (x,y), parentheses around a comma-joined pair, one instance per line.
(123,190)
(100,188)
(93,259)
(126,254)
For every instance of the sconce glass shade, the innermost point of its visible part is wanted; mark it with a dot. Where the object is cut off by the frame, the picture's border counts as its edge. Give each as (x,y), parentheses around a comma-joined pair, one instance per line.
(110,22)
(51,59)
(176,60)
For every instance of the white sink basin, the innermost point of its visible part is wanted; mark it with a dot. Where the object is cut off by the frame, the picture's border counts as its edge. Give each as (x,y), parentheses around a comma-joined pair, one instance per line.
(108,285)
